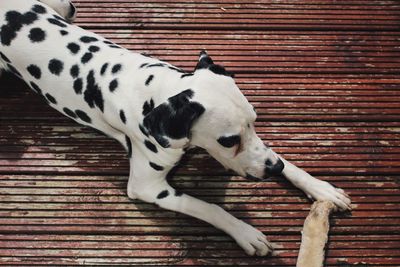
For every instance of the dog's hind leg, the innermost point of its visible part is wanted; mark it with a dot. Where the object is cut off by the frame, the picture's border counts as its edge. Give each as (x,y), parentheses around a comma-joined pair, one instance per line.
(63,7)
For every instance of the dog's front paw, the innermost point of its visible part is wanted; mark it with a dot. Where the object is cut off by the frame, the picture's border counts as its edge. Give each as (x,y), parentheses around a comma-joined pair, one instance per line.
(253,241)
(321,190)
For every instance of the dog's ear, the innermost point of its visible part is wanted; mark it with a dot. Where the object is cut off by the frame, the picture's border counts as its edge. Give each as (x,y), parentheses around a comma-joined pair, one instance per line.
(206,62)
(170,122)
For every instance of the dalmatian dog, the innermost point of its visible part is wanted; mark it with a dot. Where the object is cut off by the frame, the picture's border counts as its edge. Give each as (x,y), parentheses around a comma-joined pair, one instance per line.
(155,110)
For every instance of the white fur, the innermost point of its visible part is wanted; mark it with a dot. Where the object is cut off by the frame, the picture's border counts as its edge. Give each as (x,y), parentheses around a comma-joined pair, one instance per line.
(227,112)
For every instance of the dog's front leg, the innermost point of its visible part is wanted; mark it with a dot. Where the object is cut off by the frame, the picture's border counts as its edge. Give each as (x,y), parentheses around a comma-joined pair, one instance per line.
(315,188)
(150,186)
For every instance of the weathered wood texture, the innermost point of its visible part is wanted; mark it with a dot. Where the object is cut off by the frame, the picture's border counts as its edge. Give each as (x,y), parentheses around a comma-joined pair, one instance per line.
(323,76)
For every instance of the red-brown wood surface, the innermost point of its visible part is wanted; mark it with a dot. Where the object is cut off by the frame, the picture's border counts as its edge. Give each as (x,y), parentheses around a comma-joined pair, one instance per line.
(324,78)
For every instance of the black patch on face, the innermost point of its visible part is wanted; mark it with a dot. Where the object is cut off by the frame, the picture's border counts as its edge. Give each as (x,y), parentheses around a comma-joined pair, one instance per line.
(15,22)
(78,86)
(143,130)
(86,58)
(93,95)
(178,193)
(149,79)
(163,194)
(229,141)
(3,57)
(122,116)
(39,9)
(116,68)
(57,22)
(113,85)
(37,35)
(56,66)
(156,167)
(186,75)
(88,39)
(143,65)
(128,145)
(74,48)
(50,98)
(83,116)
(35,88)
(174,118)
(74,71)
(94,49)
(14,70)
(63,33)
(150,146)
(34,71)
(148,106)
(104,69)
(70,113)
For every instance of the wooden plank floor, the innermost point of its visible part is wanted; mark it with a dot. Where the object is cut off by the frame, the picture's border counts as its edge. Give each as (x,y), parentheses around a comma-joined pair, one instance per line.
(324,78)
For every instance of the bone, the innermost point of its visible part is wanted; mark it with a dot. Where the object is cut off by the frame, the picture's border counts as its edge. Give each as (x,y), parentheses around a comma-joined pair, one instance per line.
(315,235)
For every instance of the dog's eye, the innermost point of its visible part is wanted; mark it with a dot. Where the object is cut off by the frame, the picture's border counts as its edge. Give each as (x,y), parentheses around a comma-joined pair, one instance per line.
(229,141)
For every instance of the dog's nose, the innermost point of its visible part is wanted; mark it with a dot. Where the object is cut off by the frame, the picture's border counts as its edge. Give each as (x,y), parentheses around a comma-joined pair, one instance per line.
(273,169)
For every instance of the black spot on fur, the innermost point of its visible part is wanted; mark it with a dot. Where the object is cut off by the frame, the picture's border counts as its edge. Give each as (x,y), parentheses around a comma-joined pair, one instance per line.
(143,65)
(57,17)
(173,119)
(78,86)
(108,42)
(149,79)
(14,70)
(143,130)
(148,106)
(94,48)
(88,39)
(104,69)
(69,113)
(57,22)
(186,75)
(73,47)
(3,57)
(206,62)
(113,85)
(178,193)
(129,146)
(35,88)
(86,58)
(116,68)
(50,98)
(15,22)
(150,146)
(115,46)
(163,194)
(155,166)
(34,71)
(39,9)
(156,65)
(176,69)
(37,35)
(83,116)
(56,66)
(122,116)
(74,71)
(93,95)
(63,33)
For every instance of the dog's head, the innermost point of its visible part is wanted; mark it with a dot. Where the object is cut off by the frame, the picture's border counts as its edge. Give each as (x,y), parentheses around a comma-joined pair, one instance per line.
(64,8)
(216,116)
